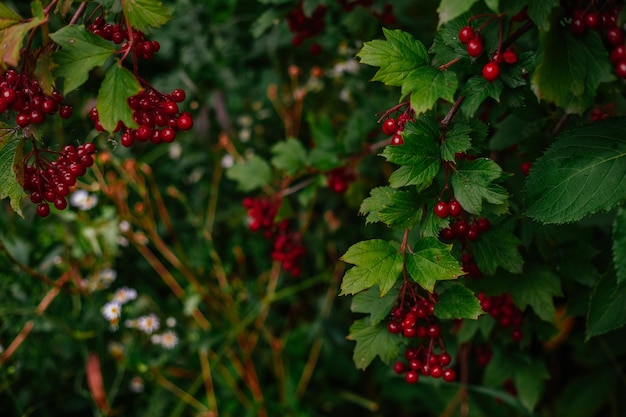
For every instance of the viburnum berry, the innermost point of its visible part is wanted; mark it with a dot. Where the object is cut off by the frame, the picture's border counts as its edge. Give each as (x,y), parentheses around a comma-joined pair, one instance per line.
(491,71)
(466,34)
(185,121)
(615,36)
(525,166)
(475,47)
(449,375)
(620,69)
(441,209)
(411,377)
(399,367)
(397,140)
(509,57)
(390,126)
(578,26)
(618,54)
(445,359)
(455,208)
(43,210)
(592,20)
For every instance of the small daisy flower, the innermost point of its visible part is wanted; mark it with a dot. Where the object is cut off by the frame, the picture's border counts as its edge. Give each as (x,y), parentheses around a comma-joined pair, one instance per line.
(107,276)
(169,340)
(124,295)
(112,310)
(148,323)
(83,200)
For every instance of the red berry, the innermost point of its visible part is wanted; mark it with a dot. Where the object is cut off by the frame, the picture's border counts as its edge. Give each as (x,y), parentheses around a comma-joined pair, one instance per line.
(66,112)
(491,71)
(445,359)
(517,335)
(397,139)
(472,232)
(390,126)
(185,121)
(460,228)
(592,20)
(620,69)
(168,135)
(447,234)
(449,375)
(60,203)
(455,208)
(615,36)
(442,209)
(170,107)
(509,57)
(22,119)
(436,371)
(433,331)
(178,95)
(43,210)
(49,106)
(394,327)
(578,26)
(483,224)
(399,367)
(475,47)
(411,377)
(37,117)
(466,34)
(525,167)
(618,54)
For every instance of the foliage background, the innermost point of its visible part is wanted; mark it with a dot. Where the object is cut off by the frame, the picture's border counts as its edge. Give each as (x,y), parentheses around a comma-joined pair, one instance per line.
(253,340)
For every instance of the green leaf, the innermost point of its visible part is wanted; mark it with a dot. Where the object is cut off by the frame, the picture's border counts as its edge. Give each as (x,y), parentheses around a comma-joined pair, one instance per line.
(582,172)
(400,54)
(477,90)
(289,156)
(529,379)
(376,262)
(570,68)
(370,302)
(493,5)
(457,302)
(419,157)
(13,34)
(450,9)
(498,248)
(537,287)
(474,182)
(82,51)
(457,140)
(619,245)
(398,209)
(8,17)
(426,85)
(607,309)
(372,341)
(9,156)
(585,395)
(250,174)
(264,22)
(118,85)
(430,261)
(516,129)
(539,12)
(145,15)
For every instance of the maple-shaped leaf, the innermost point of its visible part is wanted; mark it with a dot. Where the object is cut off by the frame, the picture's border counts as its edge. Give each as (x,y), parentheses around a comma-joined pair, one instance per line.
(370,302)
(430,261)
(570,68)
(251,173)
(581,173)
(536,287)
(145,15)
(450,9)
(289,156)
(372,341)
(458,140)
(11,150)
(82,51)
(419,158)
(475,181)
(477,90)
(118,85)
(376,262)
(14,29)
(395,208)
(397,56)
(456,301)
(427,85)
(498,247)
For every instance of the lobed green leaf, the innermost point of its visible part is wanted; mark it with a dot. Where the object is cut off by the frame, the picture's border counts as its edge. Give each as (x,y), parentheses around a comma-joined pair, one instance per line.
(372,341)
(251,173)
(376,262)
(10,155)
(583,172)
(289,156)
(427,85)
(145,15)
(370,302)
(457,301)
(118,85)
(474,182)
(430,261)
(536,288)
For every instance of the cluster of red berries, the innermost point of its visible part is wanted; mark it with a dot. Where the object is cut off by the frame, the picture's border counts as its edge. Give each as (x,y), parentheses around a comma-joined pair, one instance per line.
(50,181)
(304,27)
(465,229)
(394,128)
(119,34)
(483,354)
(157,115)
(420,323)
(607,22)
(287,247)
(25,96)
(339,179)
(474,45)
(505,312)
(469,266)
(598,114)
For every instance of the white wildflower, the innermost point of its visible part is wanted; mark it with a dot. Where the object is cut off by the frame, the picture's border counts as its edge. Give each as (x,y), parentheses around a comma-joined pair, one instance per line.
(175,150)
(83,200)
(124,295)
(228,160)
(148,323)
(169,340)
(112,311)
